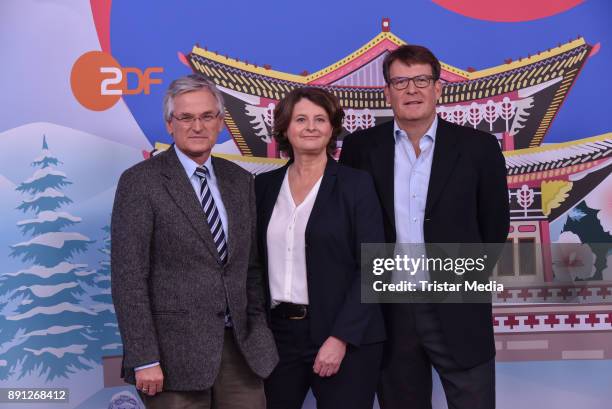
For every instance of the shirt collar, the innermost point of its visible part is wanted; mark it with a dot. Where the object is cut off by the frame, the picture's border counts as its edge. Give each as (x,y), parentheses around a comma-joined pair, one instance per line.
(189,164)
(431,132)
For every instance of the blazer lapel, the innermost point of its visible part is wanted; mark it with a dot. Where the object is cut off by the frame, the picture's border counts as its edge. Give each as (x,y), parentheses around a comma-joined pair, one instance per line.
(444,158)
(231,200)
(382,158)
(181,191)
(325,190)
(269,200)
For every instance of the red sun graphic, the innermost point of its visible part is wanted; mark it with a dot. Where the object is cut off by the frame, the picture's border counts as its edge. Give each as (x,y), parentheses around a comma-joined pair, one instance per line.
(508,11)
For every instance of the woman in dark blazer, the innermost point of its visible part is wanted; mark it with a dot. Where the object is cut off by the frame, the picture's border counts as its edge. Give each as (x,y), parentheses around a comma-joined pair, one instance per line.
(313,216)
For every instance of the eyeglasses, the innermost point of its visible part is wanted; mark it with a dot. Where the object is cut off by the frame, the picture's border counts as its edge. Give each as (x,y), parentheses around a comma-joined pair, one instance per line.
(420,81)
(189,120)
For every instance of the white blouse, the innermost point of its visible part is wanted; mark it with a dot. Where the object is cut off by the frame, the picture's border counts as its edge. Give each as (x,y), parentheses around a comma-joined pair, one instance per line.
(286,246)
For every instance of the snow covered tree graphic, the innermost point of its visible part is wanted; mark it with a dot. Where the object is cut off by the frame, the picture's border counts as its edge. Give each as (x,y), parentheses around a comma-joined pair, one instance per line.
(109,338)
(51,312)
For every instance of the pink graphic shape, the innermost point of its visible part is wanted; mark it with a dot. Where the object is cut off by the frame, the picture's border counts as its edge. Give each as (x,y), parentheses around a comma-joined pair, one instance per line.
(508,11)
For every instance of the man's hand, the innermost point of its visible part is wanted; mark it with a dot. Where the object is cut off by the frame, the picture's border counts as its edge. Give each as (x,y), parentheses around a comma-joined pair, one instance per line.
(150,380)
(329,357)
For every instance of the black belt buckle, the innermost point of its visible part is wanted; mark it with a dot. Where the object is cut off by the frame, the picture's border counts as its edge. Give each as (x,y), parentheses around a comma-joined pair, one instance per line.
(290,311)
(303,313)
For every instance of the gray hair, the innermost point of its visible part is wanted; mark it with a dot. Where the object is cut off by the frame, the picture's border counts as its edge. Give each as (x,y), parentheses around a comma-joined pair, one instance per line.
(190,83)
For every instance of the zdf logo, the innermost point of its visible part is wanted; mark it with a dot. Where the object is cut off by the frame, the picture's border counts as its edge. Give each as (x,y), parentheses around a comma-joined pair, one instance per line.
(98,81)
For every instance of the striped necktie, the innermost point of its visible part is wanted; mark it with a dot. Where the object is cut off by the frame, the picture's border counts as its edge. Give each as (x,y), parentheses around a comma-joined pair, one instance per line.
(212,214)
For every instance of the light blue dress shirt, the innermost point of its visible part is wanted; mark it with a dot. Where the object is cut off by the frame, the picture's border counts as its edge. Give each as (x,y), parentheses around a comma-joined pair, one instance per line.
(411,182)
(190,167)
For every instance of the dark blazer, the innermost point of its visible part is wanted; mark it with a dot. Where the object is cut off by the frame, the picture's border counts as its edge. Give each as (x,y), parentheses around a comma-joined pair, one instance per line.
(169,286)
(467,202)
(345,214)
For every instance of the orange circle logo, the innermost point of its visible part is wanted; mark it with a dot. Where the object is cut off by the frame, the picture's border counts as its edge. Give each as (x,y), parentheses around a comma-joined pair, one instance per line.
(97,81)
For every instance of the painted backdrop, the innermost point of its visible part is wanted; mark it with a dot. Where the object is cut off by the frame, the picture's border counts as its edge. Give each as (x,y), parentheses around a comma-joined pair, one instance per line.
(533,73)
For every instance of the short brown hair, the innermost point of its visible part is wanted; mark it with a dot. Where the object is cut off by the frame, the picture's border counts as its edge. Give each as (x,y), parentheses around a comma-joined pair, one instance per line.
(318,96)
(412,54)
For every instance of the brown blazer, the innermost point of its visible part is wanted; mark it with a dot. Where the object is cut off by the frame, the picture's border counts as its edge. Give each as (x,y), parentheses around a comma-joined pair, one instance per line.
(169,286)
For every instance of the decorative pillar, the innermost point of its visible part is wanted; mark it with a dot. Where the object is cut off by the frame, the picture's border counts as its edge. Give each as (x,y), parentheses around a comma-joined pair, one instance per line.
(507,142)
(546,253)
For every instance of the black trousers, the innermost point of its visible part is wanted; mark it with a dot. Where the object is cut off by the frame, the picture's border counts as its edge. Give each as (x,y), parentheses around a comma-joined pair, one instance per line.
(415,343)
(354,386)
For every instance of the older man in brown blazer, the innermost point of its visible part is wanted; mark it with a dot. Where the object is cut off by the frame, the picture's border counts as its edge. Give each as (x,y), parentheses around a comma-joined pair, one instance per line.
(186,285)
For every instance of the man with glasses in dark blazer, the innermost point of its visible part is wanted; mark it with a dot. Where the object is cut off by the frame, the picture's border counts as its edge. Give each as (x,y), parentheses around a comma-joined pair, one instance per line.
(186,286)
(438,183)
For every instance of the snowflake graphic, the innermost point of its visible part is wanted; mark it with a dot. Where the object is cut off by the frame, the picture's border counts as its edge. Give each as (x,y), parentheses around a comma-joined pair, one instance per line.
(576,214)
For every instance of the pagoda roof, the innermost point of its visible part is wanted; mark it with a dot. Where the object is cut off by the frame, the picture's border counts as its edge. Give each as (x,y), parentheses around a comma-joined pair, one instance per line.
(386,41)
(564,61)
(519,97)
(357,82)
(575,154)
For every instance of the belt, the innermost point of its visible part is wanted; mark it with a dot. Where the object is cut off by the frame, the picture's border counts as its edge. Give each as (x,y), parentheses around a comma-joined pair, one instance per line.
(290,311)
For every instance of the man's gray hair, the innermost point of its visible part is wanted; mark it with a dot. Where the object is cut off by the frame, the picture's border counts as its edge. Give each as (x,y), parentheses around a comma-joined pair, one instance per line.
(190,83)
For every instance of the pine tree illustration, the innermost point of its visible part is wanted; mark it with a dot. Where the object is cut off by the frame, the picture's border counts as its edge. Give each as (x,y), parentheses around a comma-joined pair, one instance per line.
(107,328)
(46,316)
(583,222)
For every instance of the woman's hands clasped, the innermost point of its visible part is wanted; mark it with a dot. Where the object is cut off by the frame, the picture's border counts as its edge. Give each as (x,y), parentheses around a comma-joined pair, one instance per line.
(329,357)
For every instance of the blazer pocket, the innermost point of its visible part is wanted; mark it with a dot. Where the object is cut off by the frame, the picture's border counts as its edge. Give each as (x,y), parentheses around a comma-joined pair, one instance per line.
(170,312)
